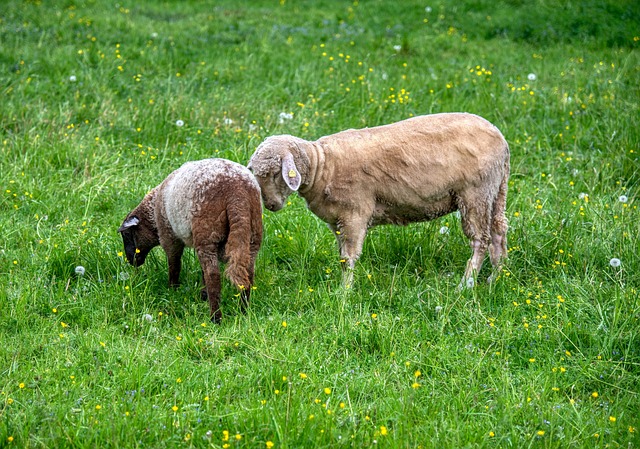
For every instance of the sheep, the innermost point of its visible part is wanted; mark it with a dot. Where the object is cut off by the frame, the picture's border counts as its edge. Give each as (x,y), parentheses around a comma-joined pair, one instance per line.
(211,205)
(414,170)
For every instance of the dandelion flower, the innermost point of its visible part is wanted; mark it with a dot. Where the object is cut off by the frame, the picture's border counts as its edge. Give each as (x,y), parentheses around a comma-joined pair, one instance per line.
(227,121)
(491,434)
(327,390)
(615,262)
(179,123)
(612,419)
(383,430)
(532,77)
(80,270)
(444,230)
(21,386)
(428,9)
(147,317)
(540,433)
(269,444)
(623,198)
(72,78)
(594,394)
(438,309)
(397,47)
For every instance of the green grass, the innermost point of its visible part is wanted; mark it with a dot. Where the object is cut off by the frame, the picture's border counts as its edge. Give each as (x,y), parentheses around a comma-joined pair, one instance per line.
(547,356)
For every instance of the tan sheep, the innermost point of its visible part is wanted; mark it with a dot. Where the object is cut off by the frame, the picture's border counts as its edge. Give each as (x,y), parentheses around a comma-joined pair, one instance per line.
(213,206)
(415,170)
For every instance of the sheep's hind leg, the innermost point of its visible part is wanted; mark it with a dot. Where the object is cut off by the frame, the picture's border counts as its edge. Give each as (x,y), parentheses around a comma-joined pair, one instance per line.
(473,264)
(475,225)
(211,272)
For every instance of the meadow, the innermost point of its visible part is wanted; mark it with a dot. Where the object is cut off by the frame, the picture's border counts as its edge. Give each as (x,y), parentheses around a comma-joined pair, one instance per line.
(100,100)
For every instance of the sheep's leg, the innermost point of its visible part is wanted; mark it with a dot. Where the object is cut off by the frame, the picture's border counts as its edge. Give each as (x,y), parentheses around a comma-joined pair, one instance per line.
(350,239)
(211,271)
(475,225)
(174,250)
(498,248)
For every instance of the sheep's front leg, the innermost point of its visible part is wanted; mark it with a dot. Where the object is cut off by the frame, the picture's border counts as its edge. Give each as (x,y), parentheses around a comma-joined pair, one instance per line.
(211,273)
(174,250)
(350,237)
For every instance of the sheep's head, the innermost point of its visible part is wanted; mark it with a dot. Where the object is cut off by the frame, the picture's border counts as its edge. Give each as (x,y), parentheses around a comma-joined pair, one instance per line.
(273,164)
(139,237)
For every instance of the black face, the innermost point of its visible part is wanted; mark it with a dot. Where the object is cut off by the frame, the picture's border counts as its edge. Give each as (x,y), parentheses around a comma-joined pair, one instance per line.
(135,255)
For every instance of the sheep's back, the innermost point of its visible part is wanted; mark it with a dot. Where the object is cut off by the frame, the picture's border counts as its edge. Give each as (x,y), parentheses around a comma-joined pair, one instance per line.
(203,187)
(417,158)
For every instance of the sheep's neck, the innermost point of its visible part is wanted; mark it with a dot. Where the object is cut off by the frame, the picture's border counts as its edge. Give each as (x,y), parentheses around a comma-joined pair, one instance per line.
(315,154)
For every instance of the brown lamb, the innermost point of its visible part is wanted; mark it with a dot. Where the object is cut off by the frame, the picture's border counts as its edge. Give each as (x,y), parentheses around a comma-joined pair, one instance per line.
(414,170)
(213,206)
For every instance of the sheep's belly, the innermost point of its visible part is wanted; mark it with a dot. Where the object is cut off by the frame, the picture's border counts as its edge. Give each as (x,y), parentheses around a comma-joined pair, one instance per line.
(405,214)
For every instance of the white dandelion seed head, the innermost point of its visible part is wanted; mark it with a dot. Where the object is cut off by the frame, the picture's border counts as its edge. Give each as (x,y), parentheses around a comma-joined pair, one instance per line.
(72,78)
(615,262)
(444,230)
(284,117)
(582,195)
(428,9)
(154,35)
(397,47)
(147,317)
(123,276)
(532,77)
(252,127)
(470,283)
(227,121)
(623,198)
(385,76)
(179,123)
(438,309)
(80,270)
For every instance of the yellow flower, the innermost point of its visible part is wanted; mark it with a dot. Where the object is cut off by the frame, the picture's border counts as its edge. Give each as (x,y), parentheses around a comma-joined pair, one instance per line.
(174,408)
(269,444)
(21,385)
(612,418)
(417,373)
(540,433)
(284,324)
(383,430)
(415,385)
(491,434)
(594,394)
(327,390)
(98,407)
(302,376)
(225,435)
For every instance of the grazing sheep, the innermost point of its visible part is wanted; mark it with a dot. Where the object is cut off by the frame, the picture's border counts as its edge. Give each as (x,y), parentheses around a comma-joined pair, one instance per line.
(418,169)
(213,206)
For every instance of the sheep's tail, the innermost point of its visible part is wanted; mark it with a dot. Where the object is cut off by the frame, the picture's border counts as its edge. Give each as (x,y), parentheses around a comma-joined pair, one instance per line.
(499,225)
(238,250)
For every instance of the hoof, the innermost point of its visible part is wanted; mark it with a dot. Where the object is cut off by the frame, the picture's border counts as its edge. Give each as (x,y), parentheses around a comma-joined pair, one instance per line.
(203,295)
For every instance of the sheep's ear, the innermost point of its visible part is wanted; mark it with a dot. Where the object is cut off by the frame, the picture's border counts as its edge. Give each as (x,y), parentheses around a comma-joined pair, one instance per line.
(129,223)
(290,173)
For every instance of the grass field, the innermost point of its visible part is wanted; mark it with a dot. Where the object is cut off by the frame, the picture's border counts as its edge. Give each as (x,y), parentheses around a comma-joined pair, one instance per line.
(100,100)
